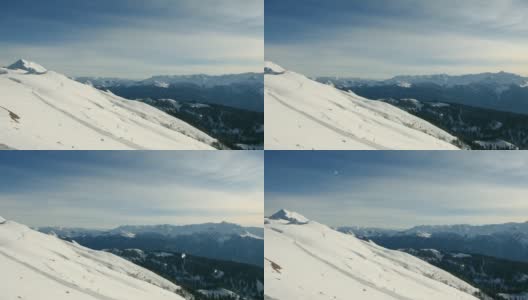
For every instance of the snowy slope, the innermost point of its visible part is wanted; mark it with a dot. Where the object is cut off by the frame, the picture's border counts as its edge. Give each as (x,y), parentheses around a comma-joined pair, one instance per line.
(38,266)
(304,114)
(312,261)
(42,109)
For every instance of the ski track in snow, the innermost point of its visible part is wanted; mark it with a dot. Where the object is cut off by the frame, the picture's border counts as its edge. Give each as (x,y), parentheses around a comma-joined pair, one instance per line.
(348,274)
(98,130)
(333,128)
(57,279)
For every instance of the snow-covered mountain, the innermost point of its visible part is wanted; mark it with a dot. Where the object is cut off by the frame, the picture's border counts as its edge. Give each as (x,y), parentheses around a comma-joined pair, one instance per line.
(301,113)
(465,230)
(28,66)
(292,217)
(38,266)
(473,230)
(359,231)
(204,80)
(243,91)
(498,79)
(312,261)
(497,91)
(225,241)
(165,81)
(223,228)
(508,240)
(69,231)
(43,109)
(105,82)
(219,229)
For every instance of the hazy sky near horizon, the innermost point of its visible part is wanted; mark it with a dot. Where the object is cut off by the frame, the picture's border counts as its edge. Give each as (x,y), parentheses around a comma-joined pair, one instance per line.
(384,38)
(398,189)
(134,38)
(105,189)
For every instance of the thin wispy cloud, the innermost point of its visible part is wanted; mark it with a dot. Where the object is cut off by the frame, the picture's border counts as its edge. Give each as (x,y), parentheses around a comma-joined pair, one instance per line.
(135,39)
(399,190)
(383,38)
(107,189)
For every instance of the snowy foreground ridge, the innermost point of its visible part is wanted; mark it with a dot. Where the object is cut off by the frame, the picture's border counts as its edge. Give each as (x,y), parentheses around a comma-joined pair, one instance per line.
(42,109)
(308,260)
(301,113)
(37,266)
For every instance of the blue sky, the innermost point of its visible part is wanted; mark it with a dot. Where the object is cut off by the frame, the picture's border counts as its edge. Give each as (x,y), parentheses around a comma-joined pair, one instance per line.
(383,38)
(104,189)
(398,189)
(134,38)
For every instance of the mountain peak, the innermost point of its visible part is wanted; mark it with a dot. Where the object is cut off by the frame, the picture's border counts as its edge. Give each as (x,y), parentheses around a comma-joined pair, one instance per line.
(287,215)
(2,220)
(28,66)
(272,68)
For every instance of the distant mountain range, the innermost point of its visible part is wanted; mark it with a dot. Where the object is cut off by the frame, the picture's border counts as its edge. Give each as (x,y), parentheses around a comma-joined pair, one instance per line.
(499,91)
(507,241)
(224,241)
(500,78)
(244,91)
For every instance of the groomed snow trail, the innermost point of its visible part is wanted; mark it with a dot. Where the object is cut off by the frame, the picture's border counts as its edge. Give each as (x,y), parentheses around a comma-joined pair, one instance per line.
(304,114)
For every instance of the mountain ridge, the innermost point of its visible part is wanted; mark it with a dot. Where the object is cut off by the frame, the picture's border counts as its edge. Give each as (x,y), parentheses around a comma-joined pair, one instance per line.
(225,241)
(164,229)
(507,241)
(242,91)
(459,228)
(506,92)
(441,79)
